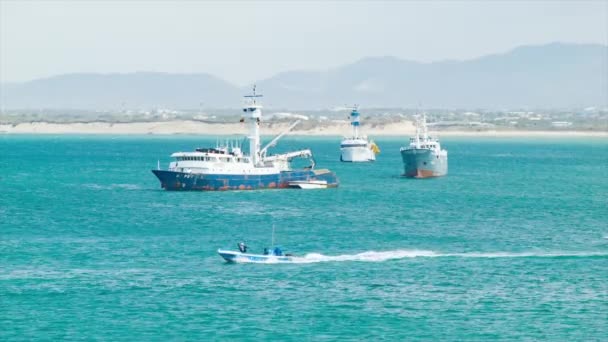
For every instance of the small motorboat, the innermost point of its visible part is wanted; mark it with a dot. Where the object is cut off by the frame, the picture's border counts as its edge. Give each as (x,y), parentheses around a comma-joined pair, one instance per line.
(270,255)
(308,184)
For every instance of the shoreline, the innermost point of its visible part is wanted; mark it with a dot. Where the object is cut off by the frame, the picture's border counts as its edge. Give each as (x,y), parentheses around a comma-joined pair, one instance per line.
(404,128)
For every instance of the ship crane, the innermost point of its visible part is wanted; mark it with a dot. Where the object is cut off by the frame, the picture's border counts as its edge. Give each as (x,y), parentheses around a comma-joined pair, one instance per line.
(290,155)
(307,153)
(274,141)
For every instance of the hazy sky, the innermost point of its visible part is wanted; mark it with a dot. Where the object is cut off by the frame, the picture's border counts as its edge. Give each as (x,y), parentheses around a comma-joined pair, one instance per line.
(244,41)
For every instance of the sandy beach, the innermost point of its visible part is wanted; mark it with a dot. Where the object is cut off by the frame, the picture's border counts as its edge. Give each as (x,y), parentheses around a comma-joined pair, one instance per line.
(404,128)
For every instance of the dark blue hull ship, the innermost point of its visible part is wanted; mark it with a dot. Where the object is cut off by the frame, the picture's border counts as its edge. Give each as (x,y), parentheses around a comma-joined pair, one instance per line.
(172,180)
(229,168)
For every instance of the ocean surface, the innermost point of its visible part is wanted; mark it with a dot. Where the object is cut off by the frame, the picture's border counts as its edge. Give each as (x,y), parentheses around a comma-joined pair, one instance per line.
(511,245)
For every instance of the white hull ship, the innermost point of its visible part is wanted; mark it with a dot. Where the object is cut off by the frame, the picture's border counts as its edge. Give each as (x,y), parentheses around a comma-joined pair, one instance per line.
(357,148)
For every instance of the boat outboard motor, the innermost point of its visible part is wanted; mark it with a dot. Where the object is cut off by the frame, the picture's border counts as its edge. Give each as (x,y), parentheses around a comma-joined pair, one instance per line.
(242,247)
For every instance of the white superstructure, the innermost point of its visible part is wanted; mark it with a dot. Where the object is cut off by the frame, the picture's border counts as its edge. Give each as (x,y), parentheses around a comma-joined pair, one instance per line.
(422,140)
(357,148)
(229,159)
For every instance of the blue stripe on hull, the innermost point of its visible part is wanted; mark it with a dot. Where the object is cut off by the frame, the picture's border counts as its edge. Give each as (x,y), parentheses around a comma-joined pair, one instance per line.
(171,180)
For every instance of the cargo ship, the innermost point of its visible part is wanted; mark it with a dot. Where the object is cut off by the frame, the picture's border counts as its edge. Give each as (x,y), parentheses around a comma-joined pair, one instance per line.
(423,157)
(230,168)
(357,148)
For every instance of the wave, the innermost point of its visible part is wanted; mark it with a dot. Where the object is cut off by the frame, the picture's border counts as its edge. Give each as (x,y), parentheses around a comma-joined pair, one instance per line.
(70,273)
(112,186)
(373,256)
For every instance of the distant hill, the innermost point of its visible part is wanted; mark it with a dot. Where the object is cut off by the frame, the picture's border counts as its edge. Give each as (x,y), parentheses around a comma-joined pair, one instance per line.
(555,75)
(119,91)
(549,76)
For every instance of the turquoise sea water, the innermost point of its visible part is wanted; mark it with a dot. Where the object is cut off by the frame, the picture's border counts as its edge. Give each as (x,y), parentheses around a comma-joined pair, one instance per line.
(511,245)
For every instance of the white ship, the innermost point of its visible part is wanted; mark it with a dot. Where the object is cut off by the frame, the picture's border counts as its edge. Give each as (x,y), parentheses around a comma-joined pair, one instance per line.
(357,148)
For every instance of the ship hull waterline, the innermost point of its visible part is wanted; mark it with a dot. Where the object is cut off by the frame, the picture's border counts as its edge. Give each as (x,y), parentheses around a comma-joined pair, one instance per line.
(182,181)
(424,163)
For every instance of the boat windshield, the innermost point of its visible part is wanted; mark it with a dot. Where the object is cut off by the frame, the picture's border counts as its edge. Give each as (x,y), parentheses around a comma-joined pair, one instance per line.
(277,251)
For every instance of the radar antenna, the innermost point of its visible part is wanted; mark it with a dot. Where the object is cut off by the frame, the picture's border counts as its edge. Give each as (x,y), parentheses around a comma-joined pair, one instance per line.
(253,95)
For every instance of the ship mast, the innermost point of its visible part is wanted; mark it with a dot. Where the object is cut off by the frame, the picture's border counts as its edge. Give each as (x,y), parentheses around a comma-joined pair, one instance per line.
(254,109)
(417,131)
(425,134)
(354,121)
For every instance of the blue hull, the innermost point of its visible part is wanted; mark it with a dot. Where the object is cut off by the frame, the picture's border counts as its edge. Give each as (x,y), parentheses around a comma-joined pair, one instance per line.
(171,180)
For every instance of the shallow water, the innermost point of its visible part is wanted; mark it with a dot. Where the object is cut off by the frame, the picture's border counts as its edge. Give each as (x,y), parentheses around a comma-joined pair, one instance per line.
(512,244)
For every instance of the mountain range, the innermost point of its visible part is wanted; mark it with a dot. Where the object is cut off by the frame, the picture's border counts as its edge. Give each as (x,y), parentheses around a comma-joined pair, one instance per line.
(556,75)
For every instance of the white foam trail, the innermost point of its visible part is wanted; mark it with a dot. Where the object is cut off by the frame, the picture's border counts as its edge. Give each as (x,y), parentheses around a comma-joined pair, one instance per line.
(527,254)
(126,186)
(113,186)
(373,256)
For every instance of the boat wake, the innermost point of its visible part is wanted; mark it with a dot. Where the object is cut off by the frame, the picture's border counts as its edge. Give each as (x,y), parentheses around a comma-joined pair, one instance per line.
(113,187)
(372,256)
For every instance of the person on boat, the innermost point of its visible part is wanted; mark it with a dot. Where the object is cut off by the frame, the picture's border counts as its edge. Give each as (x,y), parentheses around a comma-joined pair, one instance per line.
(242,247)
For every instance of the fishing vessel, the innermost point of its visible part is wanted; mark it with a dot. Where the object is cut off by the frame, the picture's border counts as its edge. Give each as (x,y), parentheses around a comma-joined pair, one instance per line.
(423,157)
(357,148)
(230,168)
(270,255)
